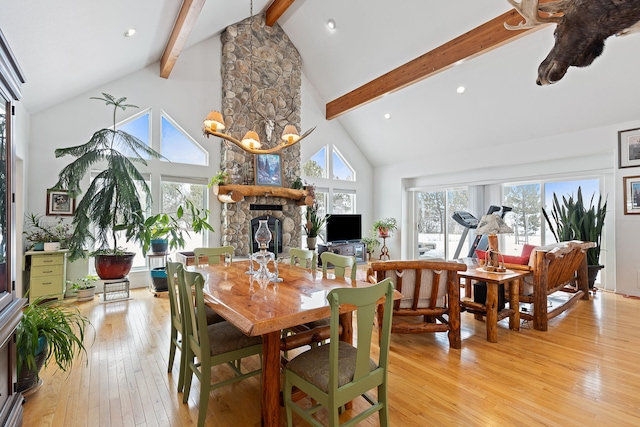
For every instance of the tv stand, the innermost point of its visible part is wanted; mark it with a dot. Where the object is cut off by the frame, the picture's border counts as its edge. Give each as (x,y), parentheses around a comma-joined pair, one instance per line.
(354,248)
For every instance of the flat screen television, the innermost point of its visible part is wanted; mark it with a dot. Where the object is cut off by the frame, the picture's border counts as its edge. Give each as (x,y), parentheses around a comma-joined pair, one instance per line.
(344,227)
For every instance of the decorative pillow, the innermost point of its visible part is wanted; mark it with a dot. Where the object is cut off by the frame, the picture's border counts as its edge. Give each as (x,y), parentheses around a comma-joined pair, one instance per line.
(527,249)
(508,259)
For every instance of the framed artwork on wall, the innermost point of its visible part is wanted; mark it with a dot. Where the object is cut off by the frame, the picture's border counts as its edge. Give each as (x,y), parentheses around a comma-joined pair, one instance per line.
(629,148)
(631,195)
(268,170)
(59,202)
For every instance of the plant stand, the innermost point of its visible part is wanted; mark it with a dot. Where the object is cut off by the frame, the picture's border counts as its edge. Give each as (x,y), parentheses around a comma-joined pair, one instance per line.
(115,290)
(384,251)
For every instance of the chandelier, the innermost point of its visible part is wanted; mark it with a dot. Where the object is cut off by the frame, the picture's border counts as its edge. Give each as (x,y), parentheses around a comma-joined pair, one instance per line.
(214,122)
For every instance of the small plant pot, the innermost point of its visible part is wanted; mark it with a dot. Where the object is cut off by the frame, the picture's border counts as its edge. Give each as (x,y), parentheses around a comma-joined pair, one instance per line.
(86,294)
(159,246)
(51,246)
(38,246)
(159,279)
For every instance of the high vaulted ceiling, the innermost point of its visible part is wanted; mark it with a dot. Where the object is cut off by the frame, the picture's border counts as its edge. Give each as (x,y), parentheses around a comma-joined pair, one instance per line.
(68,47)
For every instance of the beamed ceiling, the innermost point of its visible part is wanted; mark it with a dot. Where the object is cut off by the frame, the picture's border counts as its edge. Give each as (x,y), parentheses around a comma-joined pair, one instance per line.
(405,59)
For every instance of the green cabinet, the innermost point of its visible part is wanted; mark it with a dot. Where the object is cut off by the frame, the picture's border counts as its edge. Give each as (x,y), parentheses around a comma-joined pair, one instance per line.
(47,273)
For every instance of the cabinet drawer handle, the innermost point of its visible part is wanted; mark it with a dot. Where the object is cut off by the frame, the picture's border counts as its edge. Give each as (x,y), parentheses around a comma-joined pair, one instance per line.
(48,271)
(47,283)
(48,260)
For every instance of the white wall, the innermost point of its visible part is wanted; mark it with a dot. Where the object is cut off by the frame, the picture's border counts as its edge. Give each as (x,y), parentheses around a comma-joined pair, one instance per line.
(21,122)
(192,90)
(590,152)
(313,114)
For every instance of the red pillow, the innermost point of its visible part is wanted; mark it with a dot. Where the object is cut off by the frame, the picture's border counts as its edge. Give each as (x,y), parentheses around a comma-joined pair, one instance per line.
(527,249)
(508,259)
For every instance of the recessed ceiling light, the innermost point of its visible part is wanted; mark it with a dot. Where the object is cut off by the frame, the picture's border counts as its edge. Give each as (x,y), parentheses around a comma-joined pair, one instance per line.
(331,24)
(461,89)
(130,32)
(387,116)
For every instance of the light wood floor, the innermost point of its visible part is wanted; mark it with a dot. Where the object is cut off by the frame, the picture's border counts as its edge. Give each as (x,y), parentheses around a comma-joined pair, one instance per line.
(584,372)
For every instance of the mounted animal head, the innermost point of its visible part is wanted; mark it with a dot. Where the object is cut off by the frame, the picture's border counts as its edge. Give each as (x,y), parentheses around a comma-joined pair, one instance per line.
(582,26)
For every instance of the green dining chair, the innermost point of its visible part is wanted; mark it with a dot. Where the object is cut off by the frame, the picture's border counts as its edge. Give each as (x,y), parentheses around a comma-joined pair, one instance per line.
(340,264)
(177,330)
(338,372)
(210,345)
(213,255)
(309,257)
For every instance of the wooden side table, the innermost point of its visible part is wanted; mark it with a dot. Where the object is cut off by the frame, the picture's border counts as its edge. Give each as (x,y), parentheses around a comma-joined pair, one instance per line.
(490,308)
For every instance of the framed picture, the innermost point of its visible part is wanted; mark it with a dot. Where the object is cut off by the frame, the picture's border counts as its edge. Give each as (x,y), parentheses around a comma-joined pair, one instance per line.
(632,195)
(268,170)
(60,203)
(629,148)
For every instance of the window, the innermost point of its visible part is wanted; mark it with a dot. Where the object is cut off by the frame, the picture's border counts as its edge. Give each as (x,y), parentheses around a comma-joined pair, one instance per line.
(175,191)
(316,166)
(138,125)
(340,168)
(438,234)
(344,202)
(177,146)
(526,220)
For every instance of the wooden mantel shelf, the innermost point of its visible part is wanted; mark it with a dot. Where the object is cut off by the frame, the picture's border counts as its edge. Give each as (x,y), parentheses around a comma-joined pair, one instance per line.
(233,193)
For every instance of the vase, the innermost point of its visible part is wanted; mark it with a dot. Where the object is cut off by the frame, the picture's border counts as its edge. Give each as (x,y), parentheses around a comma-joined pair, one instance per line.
(311,243)
(114,266)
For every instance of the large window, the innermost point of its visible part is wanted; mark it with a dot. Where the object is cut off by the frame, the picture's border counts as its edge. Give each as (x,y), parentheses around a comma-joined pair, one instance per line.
(177,146)
(526,200)
(438,234)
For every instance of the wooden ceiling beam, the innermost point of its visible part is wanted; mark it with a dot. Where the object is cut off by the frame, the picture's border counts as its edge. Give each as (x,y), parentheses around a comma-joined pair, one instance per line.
(275,11)
(481,39)
(185,22)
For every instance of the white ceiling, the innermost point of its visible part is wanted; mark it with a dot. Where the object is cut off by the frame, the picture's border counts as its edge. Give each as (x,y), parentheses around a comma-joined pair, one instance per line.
(68,47)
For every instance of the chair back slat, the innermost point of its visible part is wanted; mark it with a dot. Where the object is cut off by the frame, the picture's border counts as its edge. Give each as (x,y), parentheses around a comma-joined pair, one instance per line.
(340,264)
(299,255)
(174,301)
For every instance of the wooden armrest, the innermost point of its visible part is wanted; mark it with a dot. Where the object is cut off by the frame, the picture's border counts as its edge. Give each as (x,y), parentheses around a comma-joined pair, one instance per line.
(519,267)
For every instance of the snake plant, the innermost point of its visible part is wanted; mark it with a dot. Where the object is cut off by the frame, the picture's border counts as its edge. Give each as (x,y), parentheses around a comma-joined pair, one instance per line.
(573,220)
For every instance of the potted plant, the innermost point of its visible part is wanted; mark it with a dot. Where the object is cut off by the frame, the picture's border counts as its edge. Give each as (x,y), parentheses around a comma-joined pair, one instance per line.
(384,227)
(315,224)
(220,178)
(46,236)
(47,331)
(572,220)
(371,243)
(85,287)
(112,208)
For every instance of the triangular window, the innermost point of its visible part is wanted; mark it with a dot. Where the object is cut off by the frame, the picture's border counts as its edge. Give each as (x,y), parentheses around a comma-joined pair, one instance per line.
(340,167)
(138,126)
(178,147)
(316,166)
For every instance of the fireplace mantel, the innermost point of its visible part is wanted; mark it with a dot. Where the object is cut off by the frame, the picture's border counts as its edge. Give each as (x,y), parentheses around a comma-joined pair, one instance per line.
(233,193)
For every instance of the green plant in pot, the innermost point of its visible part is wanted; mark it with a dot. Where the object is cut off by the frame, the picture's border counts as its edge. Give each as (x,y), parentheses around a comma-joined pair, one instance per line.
(573,220)
(371,243)
(384,227)
(112,208)
(38,232)
(164,231)
(315,224)
(48,331)
(85,287)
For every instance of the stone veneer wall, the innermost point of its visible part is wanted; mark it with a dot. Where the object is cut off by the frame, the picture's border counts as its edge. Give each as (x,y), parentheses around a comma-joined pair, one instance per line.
(255,90)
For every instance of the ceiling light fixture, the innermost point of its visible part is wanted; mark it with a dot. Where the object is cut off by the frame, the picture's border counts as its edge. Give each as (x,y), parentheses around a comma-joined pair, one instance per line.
(214,122)
(331,24)
(387,116)
(461,90)
(130,32)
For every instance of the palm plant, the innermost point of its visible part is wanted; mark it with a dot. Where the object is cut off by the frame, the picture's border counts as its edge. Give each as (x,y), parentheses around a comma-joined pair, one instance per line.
(573,220)
(112,203)
(315,222)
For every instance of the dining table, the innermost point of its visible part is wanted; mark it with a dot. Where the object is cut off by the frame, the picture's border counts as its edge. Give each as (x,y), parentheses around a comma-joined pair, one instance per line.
(299,298)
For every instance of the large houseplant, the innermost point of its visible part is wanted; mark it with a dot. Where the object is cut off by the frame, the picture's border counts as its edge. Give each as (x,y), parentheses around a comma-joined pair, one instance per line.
(48,331)
(112,208)
(572,220)
(315,224)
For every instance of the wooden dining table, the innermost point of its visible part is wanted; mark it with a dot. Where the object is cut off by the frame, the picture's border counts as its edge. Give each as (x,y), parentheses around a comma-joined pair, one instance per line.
(301,297)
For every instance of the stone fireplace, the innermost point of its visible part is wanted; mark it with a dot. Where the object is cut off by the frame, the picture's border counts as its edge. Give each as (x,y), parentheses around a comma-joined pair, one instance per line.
(260,92)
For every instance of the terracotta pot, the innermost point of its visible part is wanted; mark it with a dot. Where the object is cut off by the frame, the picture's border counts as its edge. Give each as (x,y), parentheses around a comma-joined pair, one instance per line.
(114,266)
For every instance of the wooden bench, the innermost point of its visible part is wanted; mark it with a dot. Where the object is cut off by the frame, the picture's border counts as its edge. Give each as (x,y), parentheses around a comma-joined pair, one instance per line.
(558,267)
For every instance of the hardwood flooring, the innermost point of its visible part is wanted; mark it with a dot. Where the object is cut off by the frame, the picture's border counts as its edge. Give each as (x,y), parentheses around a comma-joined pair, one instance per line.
(584,371)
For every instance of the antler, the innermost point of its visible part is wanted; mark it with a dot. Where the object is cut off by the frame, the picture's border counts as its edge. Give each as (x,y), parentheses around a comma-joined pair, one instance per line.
(283,144)
(529,9)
